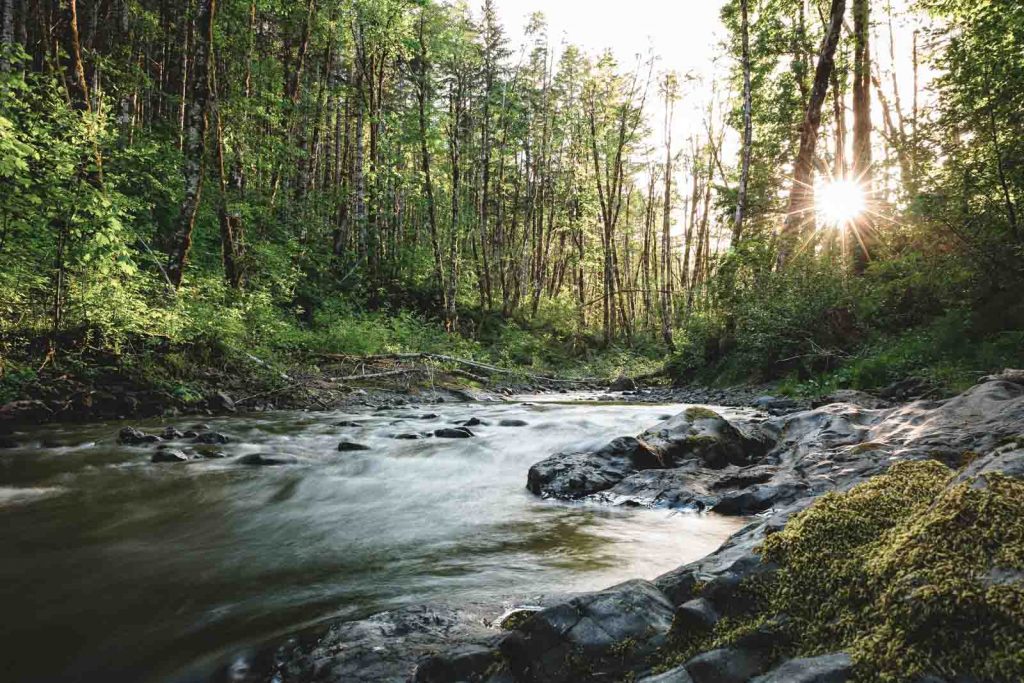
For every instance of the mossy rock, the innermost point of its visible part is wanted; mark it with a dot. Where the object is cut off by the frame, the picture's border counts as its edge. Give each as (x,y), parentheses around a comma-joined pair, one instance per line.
(909,572)
(698,413)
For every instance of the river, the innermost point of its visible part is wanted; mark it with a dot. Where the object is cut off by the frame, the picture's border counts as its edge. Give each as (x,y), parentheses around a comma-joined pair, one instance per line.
(117,569)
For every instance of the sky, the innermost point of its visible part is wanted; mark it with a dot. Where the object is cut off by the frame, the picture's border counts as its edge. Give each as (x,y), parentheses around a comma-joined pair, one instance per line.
(684,34)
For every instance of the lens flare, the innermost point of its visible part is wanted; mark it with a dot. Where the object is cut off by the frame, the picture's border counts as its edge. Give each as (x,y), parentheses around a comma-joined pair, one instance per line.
(838,202)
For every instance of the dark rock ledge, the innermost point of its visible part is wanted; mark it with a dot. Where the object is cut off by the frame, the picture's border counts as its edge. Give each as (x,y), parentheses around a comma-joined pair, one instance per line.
(776,467)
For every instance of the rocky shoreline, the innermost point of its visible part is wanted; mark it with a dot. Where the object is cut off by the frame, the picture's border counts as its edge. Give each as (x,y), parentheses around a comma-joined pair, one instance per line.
(682,626)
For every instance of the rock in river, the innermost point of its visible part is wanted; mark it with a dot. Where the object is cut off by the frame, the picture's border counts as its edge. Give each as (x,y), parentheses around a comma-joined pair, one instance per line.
(131,436)
(456,433)
(262,460)
(349,446)
(170,455)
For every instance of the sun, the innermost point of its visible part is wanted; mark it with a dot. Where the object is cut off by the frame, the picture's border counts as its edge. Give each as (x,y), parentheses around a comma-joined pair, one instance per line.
(838,202)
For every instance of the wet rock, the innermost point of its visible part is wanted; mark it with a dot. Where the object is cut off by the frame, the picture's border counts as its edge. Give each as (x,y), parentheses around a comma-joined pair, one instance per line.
(725,665)
(698,437)
(512,423)
(831,668)
(51,443)
(211,438)
(201,427)
(384,648)
(775,405)
(456,433)
(676,675)
(853,397)
(458,664)
(350,446)
(169,455)
(130,436)
(24,411)
(575,475)
(472,422)
(171,433)
(407,437)
(346,423)
(428,416)
(261,460)
(221,401)
(623,384)
(211,453)
(612,631)
(695,616)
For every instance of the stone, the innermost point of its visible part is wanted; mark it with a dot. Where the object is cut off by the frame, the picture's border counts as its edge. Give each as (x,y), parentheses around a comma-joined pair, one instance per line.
(515,618)
(613,631)
(349,446)
(211,438)
(695,616)
(676,675)
(130,436)
(171,433)
(725,665)
(458,664)
(831,668)
(407,437)
(623,384)
(346,423)
(169,455)
(261,460)
(221,401)
(457,433)
(512,423)
(472,422)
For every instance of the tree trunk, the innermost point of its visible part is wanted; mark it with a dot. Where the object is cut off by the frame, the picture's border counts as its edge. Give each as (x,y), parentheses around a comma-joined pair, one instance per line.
(861,227)
(748,128)
(801,195)
(195,141)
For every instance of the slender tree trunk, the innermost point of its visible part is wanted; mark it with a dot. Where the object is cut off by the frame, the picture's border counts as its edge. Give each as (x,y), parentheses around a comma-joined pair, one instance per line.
(861,227)
(748,128)
(6,32)
(195,141)
(801,195)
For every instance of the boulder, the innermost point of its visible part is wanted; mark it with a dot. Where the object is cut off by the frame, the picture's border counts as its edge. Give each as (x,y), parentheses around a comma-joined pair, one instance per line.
(261,460)
(775,405)
(695,616)
(171,433)
(130,436)
(221,401)
(454,433)
(575,475)
(349,446)
(831,668)
(346,423)
(458,664)
(853,397)
(170,455)
(471,422)
(676,675)
(513,423)
(623,384)
(407,437)
(612,631)
(725,665)
(211,438)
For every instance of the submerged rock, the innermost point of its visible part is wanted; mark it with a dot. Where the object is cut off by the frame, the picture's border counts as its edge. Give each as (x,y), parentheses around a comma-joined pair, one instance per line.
(131,436)
(513,423)
(170,455)
(259,459)
(349,446)
(211,438)
(456,433)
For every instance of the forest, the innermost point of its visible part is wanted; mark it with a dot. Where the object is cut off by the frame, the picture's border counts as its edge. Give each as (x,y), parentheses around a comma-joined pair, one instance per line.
(197,184)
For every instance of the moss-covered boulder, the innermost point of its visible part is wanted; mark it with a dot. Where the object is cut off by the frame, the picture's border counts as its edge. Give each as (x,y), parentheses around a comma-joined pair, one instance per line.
(914,572)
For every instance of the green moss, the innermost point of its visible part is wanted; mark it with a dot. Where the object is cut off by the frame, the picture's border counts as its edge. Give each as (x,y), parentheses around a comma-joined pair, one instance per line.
(697,413)
(909,572)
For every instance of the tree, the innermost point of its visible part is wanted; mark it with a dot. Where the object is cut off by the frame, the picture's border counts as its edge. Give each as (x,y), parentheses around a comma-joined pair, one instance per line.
(801,195)
(861,227)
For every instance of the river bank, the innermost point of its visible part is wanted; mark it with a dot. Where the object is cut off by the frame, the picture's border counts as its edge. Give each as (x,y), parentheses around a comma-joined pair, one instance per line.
(887,546)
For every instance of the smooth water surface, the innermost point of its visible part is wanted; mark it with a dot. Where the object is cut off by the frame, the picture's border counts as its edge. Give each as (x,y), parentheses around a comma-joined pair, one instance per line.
(116,569)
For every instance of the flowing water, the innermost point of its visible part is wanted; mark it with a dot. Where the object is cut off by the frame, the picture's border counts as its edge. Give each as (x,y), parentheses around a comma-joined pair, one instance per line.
(116,569)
